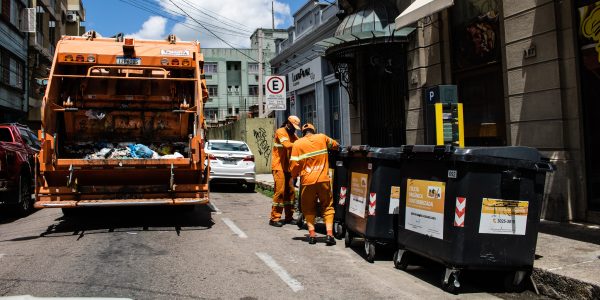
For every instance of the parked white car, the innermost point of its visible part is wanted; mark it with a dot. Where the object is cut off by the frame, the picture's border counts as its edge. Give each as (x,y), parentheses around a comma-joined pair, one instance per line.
(231,162)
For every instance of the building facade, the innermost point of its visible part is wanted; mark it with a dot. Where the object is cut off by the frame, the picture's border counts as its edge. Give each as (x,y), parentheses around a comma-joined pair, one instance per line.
(232,77)
(13,61)
(54,18)
(314,92)
(527,73)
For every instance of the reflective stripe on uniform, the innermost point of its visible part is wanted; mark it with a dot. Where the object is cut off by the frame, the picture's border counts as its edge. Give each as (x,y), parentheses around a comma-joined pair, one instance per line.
(275,204)
(307,155)
(277,145)
(329,143)
(283,139)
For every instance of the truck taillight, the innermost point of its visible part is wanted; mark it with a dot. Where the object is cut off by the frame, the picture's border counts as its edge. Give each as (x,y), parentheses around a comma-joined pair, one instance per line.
(185,63)
(164,61)
(68,57)
(79,58)
(249,158)
(175,62)
(91,59)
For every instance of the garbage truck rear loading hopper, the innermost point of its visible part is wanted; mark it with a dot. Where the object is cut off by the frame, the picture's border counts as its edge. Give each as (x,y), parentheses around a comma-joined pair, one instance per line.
(123,124)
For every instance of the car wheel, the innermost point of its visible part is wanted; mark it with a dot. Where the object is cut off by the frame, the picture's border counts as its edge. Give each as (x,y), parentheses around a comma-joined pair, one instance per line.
(24,204)
(250,187)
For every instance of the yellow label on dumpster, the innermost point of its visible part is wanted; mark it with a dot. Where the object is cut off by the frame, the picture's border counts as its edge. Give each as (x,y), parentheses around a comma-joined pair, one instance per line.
(425,207)
(358,194)
(503,216)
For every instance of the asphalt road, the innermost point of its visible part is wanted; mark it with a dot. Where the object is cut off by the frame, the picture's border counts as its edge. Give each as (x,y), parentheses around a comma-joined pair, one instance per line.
(224,251)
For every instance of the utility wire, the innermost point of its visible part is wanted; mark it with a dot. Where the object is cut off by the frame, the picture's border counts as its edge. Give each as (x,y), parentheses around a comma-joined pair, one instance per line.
(220,18)
(152,11)
(211,32)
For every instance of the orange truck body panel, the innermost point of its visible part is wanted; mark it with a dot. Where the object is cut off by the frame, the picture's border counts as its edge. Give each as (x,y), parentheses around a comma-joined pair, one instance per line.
(141,92)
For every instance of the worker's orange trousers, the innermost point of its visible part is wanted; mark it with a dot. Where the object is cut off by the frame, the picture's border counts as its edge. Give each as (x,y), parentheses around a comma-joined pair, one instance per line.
(284,197)
(308,198)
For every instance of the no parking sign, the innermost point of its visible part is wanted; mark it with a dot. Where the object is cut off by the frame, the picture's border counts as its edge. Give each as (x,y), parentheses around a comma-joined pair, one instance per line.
(275,95)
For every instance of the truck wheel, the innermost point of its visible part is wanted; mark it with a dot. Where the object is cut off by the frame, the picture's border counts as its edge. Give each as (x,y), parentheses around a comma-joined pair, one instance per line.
(370,250)
(70,212)
(24,204)
(338,230)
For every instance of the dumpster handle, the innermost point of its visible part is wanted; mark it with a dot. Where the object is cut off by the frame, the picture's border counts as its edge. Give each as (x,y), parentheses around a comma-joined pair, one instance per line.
(544,167)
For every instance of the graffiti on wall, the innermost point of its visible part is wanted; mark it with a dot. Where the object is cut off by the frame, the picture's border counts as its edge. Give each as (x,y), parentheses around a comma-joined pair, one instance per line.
(262,141)
(590,25)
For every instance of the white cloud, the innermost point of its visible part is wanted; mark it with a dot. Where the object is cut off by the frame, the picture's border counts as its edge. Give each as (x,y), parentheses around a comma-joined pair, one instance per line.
(153,29)
(241,17)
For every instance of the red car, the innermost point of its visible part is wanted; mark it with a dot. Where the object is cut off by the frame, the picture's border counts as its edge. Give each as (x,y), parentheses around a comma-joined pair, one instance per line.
(18,147)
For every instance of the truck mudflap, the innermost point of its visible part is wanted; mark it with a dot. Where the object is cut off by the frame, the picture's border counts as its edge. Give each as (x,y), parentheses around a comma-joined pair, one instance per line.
(121,202)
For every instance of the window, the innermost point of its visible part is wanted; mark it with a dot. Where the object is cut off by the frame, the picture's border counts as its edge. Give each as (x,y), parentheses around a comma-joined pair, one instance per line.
(211,113)
(253,90)
(211,68)
(52,33)
(15,13)
(219,146)
(26,137)
(5,135)
(11,70)
(213,90)
(252,68)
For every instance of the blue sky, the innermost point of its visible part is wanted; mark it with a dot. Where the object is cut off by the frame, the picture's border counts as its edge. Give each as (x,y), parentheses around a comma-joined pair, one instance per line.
(109,17)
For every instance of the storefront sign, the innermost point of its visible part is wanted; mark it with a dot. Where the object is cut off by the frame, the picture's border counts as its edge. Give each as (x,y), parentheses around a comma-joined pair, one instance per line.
(358,194)
(306,75)
(503,216)
(425,207)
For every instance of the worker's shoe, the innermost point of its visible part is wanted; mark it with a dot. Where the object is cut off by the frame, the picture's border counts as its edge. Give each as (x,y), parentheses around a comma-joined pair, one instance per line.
(330,240)
(275,223)
(291,222)
(312,240)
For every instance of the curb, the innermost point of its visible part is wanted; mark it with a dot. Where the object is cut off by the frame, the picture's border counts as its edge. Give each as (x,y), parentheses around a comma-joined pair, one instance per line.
(265,186)
(563,287)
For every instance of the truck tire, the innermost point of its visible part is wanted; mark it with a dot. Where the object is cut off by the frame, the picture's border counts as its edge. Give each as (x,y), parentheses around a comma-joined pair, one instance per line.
(23,203)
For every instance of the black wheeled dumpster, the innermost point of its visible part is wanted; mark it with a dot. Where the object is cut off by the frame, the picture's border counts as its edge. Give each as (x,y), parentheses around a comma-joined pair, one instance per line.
(471,208)
(340,189)
(374,197)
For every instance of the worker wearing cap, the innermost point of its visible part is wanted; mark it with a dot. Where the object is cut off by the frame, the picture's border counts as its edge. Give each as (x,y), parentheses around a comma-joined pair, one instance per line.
(284,196)
(310,161)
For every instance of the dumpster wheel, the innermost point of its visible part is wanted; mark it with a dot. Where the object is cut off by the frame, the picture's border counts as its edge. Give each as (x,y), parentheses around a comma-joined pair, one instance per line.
(370,250)
(301,221)
(339,231)
(401,258)
(450,281)
(516,281)
(348,237)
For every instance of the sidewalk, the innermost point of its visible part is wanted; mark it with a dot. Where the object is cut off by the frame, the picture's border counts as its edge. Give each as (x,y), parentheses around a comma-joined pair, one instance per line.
(567,263)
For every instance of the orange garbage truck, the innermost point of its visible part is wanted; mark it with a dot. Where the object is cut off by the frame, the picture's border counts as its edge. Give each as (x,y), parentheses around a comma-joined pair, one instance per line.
(123,125)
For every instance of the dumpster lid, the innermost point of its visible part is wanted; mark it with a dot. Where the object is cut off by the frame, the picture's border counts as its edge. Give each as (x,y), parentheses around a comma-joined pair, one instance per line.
(386,153)
(512,152)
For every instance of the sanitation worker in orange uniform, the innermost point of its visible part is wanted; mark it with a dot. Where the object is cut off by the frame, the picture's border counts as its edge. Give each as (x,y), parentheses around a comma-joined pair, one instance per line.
(310,161)
(284,196)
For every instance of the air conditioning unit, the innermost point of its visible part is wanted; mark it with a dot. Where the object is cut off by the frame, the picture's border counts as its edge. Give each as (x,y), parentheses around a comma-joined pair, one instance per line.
(72,17)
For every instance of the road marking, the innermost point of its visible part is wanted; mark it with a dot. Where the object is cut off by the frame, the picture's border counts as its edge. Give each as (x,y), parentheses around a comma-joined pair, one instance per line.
(234,228)
(571,265)
(214,208)
(294,284)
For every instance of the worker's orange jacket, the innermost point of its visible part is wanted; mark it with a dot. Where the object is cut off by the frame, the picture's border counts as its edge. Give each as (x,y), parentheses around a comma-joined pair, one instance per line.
(310,160)
(282,149)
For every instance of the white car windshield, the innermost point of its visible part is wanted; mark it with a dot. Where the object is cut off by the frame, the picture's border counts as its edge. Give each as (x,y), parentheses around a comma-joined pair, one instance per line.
(224,146)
